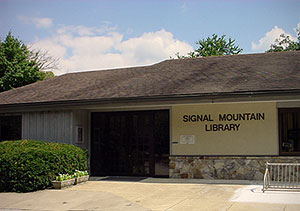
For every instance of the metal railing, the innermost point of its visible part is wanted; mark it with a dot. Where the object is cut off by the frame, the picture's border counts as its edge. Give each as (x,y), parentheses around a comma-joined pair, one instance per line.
(280,176)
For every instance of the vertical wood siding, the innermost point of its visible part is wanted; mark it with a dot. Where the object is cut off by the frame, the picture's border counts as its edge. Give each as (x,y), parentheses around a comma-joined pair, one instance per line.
(52,126)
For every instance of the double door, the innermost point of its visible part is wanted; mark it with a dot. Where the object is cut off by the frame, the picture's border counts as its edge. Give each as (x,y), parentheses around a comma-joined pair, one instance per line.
(132,143)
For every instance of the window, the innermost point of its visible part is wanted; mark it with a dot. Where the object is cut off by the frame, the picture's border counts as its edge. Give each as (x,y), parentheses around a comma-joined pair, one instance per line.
(10,128)
(289,131)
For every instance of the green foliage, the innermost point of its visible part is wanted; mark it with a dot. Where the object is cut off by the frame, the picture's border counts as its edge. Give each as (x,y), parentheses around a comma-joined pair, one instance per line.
(28,165)
(284,43)
(48,75)
(17,68)
(77,173)
(213,46)
(63,177)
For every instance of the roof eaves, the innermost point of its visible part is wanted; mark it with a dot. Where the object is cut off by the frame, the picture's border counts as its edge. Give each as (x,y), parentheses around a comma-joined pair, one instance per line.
(149,98)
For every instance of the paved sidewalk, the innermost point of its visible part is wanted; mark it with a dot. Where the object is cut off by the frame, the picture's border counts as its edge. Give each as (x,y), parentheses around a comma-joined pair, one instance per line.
(153,194)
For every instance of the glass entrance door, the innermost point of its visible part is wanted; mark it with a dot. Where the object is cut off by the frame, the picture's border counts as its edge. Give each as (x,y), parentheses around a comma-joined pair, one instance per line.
(130,143)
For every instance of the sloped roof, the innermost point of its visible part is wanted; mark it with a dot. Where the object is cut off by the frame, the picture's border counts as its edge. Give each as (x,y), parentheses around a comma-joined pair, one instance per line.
(198,76)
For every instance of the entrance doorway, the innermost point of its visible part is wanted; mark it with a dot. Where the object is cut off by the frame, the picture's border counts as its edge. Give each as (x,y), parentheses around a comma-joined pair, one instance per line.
(131,143)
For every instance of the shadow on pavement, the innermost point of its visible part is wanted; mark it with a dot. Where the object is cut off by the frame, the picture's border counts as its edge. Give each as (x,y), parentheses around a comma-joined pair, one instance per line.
(118,179)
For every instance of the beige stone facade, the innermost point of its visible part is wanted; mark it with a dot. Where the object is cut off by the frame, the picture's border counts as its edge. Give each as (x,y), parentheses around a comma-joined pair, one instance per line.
(240,168)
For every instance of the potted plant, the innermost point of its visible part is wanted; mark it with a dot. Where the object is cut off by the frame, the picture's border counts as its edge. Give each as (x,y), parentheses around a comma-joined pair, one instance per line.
(63,180)
(81,176)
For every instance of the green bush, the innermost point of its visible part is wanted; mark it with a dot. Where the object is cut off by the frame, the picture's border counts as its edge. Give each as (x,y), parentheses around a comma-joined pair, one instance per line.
(29,165)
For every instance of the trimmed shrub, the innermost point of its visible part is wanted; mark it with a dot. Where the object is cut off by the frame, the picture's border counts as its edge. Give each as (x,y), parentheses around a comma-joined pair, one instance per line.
(29,165)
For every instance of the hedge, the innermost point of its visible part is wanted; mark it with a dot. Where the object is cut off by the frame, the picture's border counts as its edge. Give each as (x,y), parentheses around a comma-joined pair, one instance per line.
(29,165)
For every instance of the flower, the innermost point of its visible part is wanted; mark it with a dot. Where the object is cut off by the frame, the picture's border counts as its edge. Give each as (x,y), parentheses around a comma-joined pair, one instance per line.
(76,174)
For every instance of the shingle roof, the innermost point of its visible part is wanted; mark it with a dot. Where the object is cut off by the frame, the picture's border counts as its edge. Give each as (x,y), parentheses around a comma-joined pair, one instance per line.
(198,76)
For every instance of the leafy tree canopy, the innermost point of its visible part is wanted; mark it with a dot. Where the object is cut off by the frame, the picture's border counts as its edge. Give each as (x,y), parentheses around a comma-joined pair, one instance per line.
(214,46)
(284,43)
(18,65)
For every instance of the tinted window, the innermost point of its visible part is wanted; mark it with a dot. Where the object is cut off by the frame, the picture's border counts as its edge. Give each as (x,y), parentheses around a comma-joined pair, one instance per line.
(10,128)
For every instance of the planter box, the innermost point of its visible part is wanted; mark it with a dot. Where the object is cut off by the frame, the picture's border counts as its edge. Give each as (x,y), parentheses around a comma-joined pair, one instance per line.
(63,184)
(81,179)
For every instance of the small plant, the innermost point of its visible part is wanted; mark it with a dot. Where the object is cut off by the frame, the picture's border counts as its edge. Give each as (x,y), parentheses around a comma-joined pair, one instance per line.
(66,180)
(80,173)
(77,173)
(63,177)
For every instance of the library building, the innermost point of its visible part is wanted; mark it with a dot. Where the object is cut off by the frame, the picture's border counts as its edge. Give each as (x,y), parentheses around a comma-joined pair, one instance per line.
(218,117)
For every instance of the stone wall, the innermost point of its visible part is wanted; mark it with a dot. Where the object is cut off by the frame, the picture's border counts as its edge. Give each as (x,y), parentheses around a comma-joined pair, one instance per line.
(239,168)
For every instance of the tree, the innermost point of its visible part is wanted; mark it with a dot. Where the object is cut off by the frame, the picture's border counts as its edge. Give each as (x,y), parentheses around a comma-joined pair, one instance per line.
(284,43)
(44,60)
(214,46)
(18,65)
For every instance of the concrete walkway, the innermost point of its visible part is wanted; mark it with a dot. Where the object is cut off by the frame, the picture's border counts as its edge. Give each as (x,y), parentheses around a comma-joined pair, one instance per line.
(153,194)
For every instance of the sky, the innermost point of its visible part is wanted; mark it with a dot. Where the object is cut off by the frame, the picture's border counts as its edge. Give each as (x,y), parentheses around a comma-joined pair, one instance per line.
(103,34)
